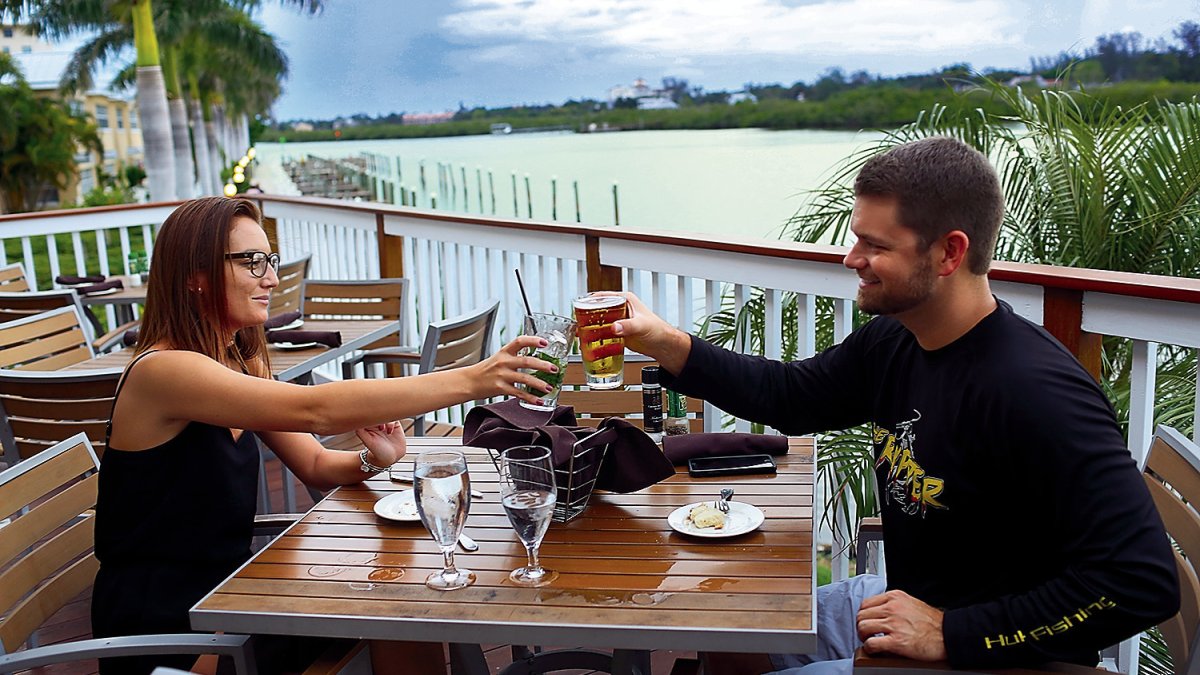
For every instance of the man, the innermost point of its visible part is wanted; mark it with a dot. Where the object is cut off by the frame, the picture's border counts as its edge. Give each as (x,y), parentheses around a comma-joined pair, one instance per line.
(1017,527)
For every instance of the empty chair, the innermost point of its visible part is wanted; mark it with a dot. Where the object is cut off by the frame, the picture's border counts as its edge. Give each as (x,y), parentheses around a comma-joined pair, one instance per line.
(39,409)
(46,341)
(378,299)
(592,406)
(12,278)
(47,557)
(450,343)
(288,296)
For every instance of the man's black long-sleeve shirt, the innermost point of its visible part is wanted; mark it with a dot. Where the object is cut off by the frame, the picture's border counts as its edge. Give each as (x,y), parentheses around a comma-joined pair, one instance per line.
(1008,497)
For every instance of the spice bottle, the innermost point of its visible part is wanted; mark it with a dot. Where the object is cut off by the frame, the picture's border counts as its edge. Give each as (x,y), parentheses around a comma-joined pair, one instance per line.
(676,422)
(652,409)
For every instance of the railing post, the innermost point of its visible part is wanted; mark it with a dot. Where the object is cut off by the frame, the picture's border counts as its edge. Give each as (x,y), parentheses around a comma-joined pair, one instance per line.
(391,252)
(271,226)
(1062,313)
(599,277)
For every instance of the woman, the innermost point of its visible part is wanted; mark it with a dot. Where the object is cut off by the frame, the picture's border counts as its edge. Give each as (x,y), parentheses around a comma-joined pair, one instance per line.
(178,481)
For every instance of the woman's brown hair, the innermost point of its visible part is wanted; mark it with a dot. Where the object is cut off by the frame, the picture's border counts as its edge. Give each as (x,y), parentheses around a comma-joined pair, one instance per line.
(185,304)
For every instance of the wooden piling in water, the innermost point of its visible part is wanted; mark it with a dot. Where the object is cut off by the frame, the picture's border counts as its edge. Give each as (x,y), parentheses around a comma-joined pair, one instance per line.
(575,184)
(554,198)
(528,196)
(616,208)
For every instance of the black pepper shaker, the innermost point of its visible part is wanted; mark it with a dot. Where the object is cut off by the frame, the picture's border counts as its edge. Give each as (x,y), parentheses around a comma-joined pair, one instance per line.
(652,409)
(676,423)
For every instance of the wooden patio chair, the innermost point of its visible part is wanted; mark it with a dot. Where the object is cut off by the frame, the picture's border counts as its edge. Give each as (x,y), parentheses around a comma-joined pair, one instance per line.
(12,278)
(46,341)
(39,409)
(459,341)
(46,554)
(1172,474)
(593,405)
(17,305)
(375,299)
(288,296)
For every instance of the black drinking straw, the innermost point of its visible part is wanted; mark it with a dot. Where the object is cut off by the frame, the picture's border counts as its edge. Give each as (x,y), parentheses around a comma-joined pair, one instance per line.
(524,298)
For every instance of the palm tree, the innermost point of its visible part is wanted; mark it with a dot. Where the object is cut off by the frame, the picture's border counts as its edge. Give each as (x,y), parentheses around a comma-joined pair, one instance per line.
(120,22)
(61,18)
(39,138)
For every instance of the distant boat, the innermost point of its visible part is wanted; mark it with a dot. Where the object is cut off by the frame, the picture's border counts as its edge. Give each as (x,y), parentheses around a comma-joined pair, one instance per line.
(502,128)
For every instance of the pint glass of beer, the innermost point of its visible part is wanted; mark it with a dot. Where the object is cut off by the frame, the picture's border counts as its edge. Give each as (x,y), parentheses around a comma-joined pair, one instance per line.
(603,352)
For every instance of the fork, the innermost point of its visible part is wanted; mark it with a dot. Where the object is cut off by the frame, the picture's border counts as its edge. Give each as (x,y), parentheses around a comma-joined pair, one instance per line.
(722,504)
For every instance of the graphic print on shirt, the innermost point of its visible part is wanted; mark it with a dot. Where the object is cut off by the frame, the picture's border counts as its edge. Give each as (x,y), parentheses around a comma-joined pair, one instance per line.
(906,484)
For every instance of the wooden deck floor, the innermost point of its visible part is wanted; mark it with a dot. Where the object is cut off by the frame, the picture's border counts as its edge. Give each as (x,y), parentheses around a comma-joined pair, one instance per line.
(72,622)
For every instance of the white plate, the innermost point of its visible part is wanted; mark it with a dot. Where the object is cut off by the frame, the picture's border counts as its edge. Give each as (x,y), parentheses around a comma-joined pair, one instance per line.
(289,326)
(286,346)
(398,506)
(107,291)
(742,518)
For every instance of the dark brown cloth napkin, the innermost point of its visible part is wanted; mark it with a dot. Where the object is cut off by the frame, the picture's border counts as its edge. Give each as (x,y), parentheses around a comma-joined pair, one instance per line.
(329,338)
(633,461)
(71,279)
(280,320)
(96,288)
(679,449)
(129,339)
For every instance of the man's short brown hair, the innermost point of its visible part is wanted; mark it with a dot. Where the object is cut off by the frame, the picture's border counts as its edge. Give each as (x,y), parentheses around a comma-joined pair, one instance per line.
(940,185)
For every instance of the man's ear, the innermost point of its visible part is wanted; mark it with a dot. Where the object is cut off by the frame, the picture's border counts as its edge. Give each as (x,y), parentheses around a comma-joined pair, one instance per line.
(953,247)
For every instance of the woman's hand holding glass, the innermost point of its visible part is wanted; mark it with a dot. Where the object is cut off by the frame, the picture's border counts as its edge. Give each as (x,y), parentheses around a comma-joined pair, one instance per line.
(500,373)
(385,443)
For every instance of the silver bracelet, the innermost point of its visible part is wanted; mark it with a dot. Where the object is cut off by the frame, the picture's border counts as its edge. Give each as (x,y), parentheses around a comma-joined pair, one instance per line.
(367,466)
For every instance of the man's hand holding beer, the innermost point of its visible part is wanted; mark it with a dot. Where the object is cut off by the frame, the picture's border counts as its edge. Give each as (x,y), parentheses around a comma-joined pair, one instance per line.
(647,333)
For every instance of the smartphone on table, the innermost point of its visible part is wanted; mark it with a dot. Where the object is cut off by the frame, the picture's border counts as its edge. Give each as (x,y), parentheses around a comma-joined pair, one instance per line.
(731,465)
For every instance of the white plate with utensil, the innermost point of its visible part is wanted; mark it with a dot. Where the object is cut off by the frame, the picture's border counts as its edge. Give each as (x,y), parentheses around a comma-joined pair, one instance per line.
(742,518)
(288,346)
(400,506)
(106,291)
(296,323)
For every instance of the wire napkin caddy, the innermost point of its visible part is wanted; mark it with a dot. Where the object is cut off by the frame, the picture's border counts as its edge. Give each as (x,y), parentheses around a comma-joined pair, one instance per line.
(575,479)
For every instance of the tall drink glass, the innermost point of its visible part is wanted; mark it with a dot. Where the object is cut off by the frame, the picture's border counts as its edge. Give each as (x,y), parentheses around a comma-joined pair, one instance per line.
(528,496)
(603,352)
(559,333)
(443,490)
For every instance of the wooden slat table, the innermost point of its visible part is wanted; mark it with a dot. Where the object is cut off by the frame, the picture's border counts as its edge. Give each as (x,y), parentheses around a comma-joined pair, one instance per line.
(288,365)
(626,580)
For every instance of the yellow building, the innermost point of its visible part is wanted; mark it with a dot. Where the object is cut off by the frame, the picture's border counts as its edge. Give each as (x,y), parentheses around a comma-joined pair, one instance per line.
(114,114)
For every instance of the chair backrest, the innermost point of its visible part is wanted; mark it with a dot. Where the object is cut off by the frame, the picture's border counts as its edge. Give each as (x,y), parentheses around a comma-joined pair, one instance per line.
(17,305)
(288,296)
(38,409)
(593,405)
(378,299)
(46,341)
(1172,473)
(46,550)
(459,341)
(12,278)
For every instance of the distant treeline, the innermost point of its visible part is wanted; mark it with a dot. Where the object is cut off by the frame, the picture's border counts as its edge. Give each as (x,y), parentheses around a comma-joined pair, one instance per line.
(1119,69)
(875,105)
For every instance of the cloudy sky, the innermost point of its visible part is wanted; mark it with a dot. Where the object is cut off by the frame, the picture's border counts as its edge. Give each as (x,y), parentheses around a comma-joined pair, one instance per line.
(381,56)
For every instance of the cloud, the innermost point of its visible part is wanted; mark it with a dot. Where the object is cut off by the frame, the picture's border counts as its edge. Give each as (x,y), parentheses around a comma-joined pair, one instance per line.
(675,29)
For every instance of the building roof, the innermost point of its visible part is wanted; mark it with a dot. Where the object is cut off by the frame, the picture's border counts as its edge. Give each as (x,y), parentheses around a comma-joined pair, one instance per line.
(43,70)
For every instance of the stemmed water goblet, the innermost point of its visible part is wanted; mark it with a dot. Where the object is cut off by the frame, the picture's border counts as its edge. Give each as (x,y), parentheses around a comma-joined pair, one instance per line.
(528,495)
(443,495)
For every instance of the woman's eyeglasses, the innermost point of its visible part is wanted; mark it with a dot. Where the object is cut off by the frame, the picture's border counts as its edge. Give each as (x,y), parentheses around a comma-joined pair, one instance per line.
(258,261)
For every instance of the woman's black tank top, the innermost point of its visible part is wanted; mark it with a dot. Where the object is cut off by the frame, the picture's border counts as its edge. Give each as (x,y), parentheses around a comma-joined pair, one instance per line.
(188,501)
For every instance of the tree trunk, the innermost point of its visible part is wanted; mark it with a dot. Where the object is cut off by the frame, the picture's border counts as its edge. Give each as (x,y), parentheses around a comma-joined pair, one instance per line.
(156,133)
(200,138)
(214,155)
(185,169)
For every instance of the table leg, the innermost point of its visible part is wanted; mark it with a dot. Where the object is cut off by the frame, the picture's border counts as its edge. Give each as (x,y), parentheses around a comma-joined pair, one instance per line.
(467,659)
(630,662)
